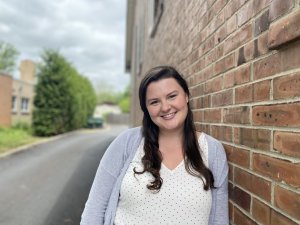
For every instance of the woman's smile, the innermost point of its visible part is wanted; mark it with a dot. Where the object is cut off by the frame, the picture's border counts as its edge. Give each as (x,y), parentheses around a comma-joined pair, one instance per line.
(167,104)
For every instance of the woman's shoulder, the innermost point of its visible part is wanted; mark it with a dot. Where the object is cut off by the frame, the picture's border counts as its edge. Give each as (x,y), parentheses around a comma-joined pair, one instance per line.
(130,133)
(215,148)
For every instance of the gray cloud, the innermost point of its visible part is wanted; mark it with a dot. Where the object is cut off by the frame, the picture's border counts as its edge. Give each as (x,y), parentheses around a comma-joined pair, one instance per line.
(89,33)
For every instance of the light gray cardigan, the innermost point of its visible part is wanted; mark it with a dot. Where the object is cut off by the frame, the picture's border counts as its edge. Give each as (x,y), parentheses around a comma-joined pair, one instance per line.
(101,206)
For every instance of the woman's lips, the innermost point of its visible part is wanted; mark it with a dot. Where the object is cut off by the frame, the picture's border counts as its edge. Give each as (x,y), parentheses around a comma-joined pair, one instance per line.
(169,116)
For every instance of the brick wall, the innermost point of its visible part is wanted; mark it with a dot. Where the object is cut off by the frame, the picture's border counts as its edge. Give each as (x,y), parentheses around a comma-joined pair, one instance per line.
(5,100)
(241,59)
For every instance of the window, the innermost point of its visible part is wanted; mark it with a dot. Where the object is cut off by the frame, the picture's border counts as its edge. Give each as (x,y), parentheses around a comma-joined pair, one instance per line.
(155,10)
(14,104)
(25,105)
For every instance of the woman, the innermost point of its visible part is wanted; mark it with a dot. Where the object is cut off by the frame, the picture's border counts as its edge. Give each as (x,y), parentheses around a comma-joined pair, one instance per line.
(164,172)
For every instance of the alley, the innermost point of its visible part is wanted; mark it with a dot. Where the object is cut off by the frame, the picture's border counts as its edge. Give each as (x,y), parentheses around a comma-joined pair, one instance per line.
(49,184)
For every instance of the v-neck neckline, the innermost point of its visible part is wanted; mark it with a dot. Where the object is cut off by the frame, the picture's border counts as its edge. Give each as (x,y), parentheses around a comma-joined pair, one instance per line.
(172,170)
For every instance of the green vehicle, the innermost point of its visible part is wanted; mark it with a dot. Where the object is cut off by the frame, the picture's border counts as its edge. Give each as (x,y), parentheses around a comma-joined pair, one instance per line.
(95,122)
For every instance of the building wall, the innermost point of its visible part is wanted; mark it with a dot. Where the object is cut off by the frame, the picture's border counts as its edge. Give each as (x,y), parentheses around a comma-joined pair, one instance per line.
(241,59)
(5,100)
(22,90)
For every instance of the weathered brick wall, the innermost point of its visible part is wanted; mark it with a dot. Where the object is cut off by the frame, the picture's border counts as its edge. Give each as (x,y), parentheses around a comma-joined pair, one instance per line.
(5,100)
(242,62)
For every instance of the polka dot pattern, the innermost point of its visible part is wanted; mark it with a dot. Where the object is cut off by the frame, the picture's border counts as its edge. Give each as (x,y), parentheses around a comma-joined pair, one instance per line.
(181,199)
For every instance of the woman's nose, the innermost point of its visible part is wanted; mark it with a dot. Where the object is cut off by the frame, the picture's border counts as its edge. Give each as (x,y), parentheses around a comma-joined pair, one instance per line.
(165,106)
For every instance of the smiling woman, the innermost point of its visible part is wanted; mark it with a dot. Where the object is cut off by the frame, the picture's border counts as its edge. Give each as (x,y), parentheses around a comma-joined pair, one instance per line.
(164,172)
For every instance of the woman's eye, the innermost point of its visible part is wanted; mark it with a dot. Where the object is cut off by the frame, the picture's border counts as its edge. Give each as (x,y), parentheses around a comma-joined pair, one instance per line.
(172,96)
(153,102)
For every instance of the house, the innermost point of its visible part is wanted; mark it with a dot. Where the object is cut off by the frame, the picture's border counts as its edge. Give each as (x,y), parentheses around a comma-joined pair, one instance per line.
(16,95)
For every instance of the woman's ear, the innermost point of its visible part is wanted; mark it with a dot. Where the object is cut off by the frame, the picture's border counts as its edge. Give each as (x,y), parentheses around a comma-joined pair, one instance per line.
(187,98)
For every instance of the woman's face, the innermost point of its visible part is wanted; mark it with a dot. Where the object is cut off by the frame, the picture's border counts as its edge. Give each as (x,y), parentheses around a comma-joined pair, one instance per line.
(166,103)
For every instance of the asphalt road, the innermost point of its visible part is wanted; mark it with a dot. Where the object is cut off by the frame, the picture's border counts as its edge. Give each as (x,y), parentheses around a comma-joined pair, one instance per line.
(48,184)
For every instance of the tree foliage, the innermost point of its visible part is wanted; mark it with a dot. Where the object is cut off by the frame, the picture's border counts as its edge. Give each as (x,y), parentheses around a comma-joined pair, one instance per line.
(8,55)
(64,99)
(107,94)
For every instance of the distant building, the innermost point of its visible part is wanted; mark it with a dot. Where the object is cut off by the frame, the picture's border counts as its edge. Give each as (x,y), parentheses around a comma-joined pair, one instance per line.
(106,108)
(16,95)
(5,99)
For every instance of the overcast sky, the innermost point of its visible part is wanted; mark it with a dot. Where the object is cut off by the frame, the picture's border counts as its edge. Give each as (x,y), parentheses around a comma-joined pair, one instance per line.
(88,33)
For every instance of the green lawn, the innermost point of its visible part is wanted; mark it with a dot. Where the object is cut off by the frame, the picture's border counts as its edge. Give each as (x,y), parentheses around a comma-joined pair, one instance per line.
(11,138)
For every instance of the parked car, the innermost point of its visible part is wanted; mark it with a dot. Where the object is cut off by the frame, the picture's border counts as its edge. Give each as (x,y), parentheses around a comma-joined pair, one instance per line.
(95,122)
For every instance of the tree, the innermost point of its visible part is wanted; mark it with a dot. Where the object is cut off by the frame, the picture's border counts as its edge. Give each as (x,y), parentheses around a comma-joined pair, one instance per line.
(124,101)
(64,99)
(8,55)
(106,93)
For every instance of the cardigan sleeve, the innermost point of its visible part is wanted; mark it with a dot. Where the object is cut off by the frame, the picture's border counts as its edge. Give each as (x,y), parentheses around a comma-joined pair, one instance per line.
(219,212)
(110,166)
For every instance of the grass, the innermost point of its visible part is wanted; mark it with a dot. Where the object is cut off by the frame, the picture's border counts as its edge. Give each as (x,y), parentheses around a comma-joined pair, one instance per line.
(11,138)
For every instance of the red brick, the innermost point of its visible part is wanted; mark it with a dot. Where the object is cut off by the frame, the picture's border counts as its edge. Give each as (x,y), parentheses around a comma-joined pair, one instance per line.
(240,197)
(261,23)
(259,5)
(216,8)
(261,45)
(262,90)
(198,90)
(290,57)
(222,133)
(284,30)
(249,51)
(197,67)
(244,94)
(287,115)
(202,102)
(219,51)
(287,201)
(198,116)
(242,74)
(287,86)
(279,8)
(261,212)
(287,143)
(208,45)
(253,184)
(214,85)
(212,115)
(230,212)
(224,64)
(253,138)
(210,57)
(220,35)
(237,115)
(203,75)
(229,79)
(232,7)
(238,156)
(230,173)
(238,38)
(277,169)
(268,66)
(241,219)
(245,13)
(198,41)
(279,219)
(231,24)
(222,98)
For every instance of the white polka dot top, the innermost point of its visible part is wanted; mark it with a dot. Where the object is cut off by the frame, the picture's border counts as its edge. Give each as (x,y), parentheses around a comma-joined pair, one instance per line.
(181,199)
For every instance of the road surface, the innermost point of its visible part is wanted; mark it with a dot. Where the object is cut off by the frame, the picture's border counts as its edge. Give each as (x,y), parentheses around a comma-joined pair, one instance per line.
(48,184)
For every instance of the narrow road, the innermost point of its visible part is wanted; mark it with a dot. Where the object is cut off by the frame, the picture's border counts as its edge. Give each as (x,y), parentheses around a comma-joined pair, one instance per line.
(48,184)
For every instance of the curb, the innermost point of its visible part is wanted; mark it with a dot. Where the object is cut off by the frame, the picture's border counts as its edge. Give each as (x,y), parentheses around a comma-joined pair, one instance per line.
(47,139)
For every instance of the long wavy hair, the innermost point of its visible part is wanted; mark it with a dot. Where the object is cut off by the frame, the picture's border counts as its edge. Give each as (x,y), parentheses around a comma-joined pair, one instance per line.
(152,159)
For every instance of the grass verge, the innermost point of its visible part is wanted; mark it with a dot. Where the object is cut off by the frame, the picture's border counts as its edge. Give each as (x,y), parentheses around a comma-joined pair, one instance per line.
(11,138)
